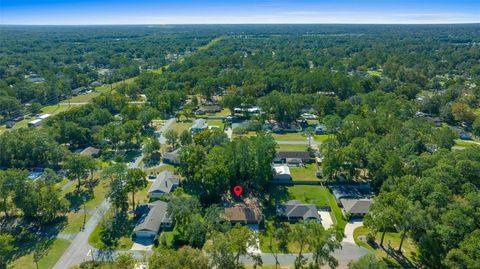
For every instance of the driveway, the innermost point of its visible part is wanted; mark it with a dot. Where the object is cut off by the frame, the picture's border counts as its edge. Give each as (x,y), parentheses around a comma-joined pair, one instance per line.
(351,226)
(327,221)
(142,244)
(254,249)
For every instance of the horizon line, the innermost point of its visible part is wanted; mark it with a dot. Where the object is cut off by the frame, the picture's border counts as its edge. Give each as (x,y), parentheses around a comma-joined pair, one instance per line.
(243,23)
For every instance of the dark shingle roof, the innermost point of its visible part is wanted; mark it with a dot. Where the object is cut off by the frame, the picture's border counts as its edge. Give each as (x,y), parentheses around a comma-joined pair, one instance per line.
(157,214)
(242,214)
(293,154)
(356,206)
(294,209)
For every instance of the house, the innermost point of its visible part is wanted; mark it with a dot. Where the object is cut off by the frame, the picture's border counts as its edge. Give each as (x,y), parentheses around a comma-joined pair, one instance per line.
(281,173)
(199,125)
(153,216)
(165,183)
(242,215)
(294,210)
(320,129)
(282,156)
(351,191)
(208,109)
(35,123)
(79,90)
(308,116)
(96,84)
(90,151)
(10,124)
(294,162)
(172,157)
(355,207)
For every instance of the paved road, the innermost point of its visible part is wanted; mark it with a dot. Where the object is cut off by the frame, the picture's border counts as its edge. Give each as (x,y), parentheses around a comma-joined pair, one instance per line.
(164,128)
(297,142)
(78,250)
(347,253)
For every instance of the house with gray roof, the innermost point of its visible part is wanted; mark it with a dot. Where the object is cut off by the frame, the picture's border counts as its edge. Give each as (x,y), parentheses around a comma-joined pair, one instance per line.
(199,125)
(353,208)
(294,210)
(165,183)
(154,216)
(172,157)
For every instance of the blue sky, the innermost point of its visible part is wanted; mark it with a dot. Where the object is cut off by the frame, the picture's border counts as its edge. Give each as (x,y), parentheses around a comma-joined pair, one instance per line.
(233,11)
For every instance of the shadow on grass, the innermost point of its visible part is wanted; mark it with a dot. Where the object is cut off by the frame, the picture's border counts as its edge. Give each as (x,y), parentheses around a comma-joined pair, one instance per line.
(77,198)
(31,237)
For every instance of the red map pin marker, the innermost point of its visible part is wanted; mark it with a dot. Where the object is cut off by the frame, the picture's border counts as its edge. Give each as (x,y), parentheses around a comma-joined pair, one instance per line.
(237,190)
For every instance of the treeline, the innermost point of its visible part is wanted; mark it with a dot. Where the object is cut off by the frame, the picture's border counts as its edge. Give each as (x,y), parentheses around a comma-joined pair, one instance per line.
(66,58)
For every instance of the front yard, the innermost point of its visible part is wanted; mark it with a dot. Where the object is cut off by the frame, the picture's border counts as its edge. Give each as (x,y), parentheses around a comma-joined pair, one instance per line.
(54,252)
(316,195)
(409,250)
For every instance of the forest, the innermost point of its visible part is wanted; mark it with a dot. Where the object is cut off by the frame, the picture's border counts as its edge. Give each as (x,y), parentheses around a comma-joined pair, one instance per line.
(400,106)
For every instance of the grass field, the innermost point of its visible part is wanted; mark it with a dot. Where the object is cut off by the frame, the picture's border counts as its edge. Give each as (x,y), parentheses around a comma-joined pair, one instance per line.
(74,222)
(267,236)
(374,73)
(391,239)
(48,261)
(323,138)
(463,143)
(336,213)
(285,147)
(290,137)
(310,194)
(306,173)
(218,123)
(141,196)
(181,126)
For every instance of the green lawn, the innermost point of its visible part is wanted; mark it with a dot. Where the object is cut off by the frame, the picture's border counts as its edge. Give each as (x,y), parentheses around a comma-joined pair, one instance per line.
(290,137)
(218,123)
(463,143)
(141,196)
(181,126)
(477,111)
(225,112)
(374,73)
(306,173)
(124,243)
(267,236)
(285,147)
(391,239)
(74,222)
(54,253)
(323,138)
(336,213)
(311,194)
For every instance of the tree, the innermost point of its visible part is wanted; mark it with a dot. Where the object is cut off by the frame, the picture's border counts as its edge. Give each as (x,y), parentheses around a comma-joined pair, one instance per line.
(6,247)
(135,180)
(322,243)
(368,261)
(185,257)
(78,167)
(463,113)
(309,132)
(147,115)
(185,138)
(125,261)
(181,210)
(227,248)
(172,137)
(386,212)
(299,232)
(151,147)
(114,133)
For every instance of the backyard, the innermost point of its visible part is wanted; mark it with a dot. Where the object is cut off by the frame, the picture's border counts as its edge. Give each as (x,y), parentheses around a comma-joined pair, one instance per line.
(306,173)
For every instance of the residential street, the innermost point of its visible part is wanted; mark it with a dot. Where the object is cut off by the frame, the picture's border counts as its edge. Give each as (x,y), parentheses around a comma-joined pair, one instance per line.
(164,128)
(78,250)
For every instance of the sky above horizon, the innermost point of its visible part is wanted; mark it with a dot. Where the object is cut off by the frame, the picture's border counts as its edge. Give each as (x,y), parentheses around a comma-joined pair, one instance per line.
(89,12)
